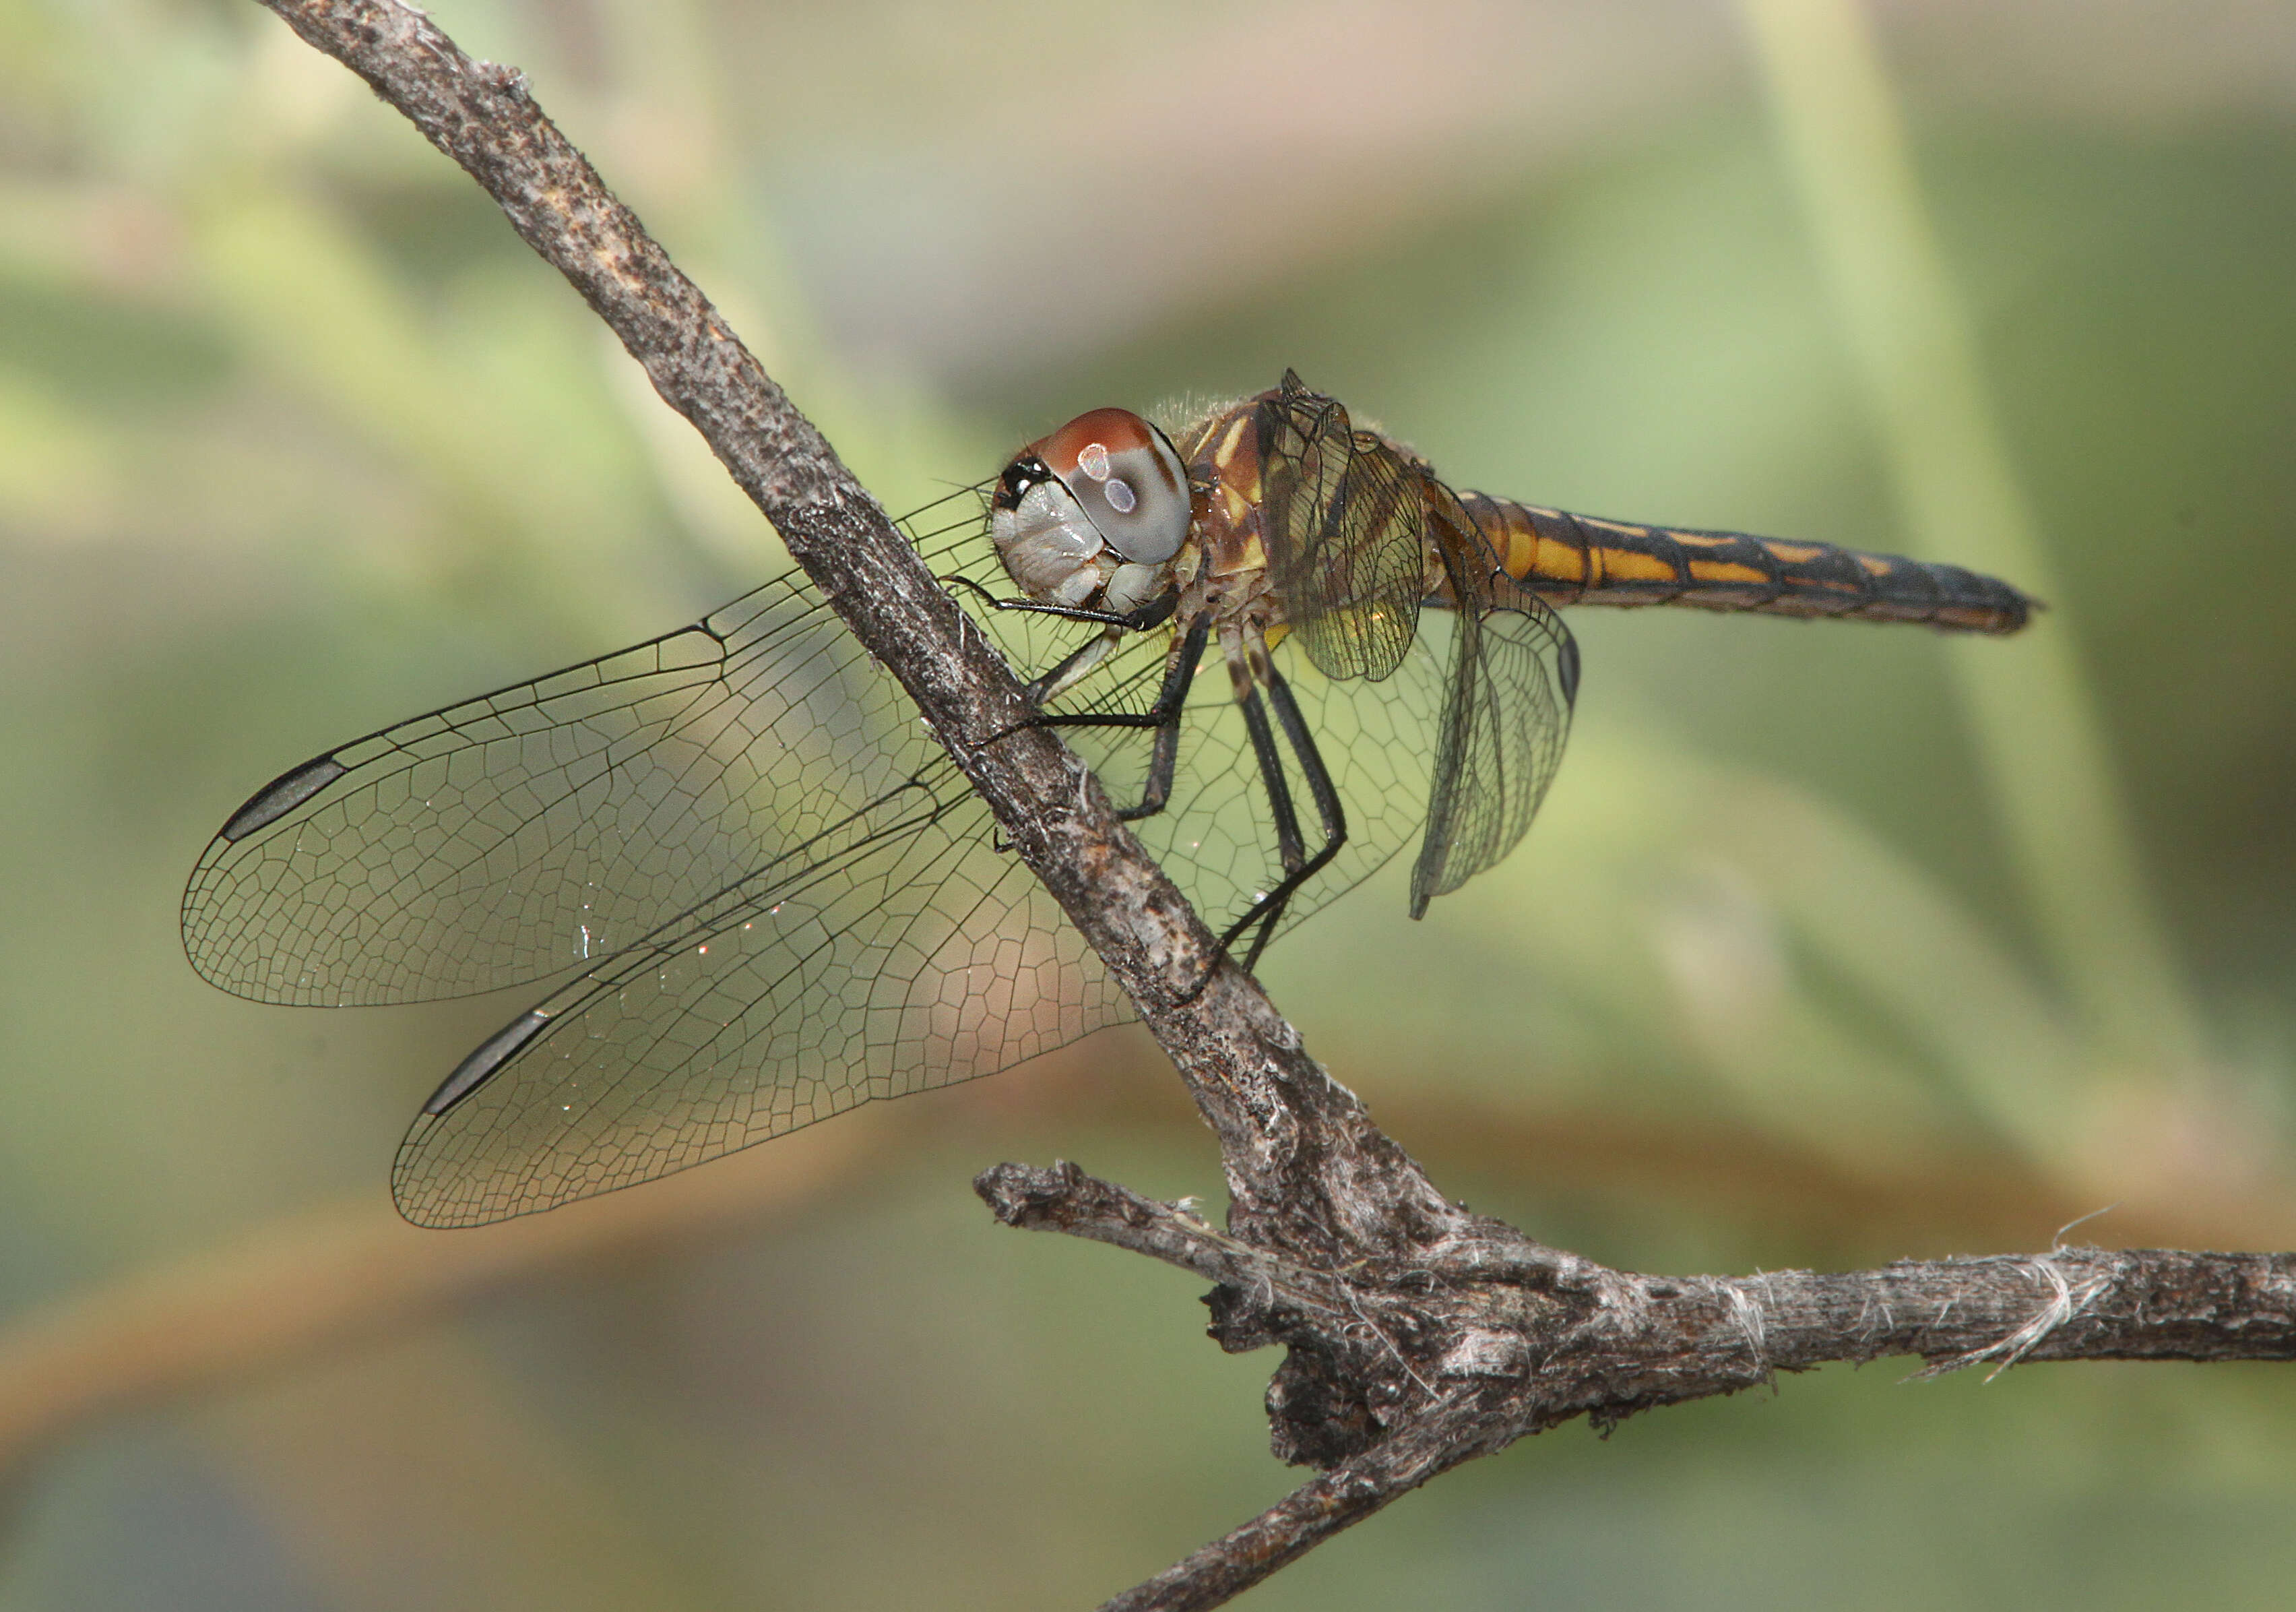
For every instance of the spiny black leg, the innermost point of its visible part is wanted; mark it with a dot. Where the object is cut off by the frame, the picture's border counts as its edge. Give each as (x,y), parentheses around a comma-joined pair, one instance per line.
(1163,761)
(1263,914)
(1170,699)
(1270,908)
(1311,766)
(1289,845)
(1164,712)
(1151,614)
(957,579)
(1164,716)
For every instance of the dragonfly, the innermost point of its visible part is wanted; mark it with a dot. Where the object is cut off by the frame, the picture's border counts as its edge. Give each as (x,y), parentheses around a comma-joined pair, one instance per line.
(761,893)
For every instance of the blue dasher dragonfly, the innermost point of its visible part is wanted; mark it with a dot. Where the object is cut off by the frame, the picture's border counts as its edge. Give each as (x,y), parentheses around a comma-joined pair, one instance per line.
(765,893)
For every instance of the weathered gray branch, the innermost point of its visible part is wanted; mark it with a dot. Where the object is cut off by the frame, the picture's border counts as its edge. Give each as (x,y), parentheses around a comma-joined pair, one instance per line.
(1493,1337)
(1419,1335)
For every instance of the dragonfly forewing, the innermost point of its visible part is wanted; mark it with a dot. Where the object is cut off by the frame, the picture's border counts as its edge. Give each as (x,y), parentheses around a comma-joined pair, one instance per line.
(509,837)
(1345,531)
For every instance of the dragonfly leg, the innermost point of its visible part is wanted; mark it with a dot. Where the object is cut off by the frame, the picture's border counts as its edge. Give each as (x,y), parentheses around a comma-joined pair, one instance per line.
(1268,909)
(1325,794)
(1289,845)
(1163,716)
(1163,761)
(1170,701)
(1153,613)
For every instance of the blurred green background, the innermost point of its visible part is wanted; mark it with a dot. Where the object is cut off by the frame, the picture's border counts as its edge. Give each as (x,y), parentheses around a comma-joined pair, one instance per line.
(296,438)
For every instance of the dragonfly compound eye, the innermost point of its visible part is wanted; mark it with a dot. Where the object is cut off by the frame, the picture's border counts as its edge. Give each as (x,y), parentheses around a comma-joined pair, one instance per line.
(1125,476)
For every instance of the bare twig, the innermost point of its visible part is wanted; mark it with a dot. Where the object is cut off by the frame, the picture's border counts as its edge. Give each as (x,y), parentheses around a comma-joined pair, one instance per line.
(1418,1336)
(1518,1338)
(1688,1337)
(1278,1536)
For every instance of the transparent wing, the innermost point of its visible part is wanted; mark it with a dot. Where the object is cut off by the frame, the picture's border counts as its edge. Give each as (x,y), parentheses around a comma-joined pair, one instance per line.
(513,837)
(907,953)
(1345,527)
(1512,681)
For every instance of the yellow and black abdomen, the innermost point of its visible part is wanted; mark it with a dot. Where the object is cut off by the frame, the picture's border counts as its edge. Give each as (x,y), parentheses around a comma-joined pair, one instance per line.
(1567,559)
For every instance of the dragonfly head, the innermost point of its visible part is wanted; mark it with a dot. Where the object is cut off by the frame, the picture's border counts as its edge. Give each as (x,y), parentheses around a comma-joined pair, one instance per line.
(1094,510)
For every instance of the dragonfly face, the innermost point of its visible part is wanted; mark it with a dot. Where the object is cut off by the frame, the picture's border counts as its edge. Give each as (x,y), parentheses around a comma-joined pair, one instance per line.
(760,894)
(1091,516)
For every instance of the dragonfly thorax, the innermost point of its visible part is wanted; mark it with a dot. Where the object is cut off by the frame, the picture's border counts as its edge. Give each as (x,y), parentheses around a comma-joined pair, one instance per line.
(1092,514)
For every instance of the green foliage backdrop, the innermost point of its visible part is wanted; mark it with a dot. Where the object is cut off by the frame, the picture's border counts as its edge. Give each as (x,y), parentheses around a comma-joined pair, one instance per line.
(295,439)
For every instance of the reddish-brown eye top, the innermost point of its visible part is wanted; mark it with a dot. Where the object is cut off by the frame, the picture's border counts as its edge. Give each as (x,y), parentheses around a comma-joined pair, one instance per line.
(1127,478)
(1112,430)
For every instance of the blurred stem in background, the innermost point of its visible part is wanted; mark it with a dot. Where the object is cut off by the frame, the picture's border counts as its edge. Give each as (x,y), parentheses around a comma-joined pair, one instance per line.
(2027,702)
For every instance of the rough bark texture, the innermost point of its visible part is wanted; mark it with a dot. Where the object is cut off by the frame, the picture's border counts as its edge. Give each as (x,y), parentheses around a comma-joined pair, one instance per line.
(1418,1336)
(1400,1369)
